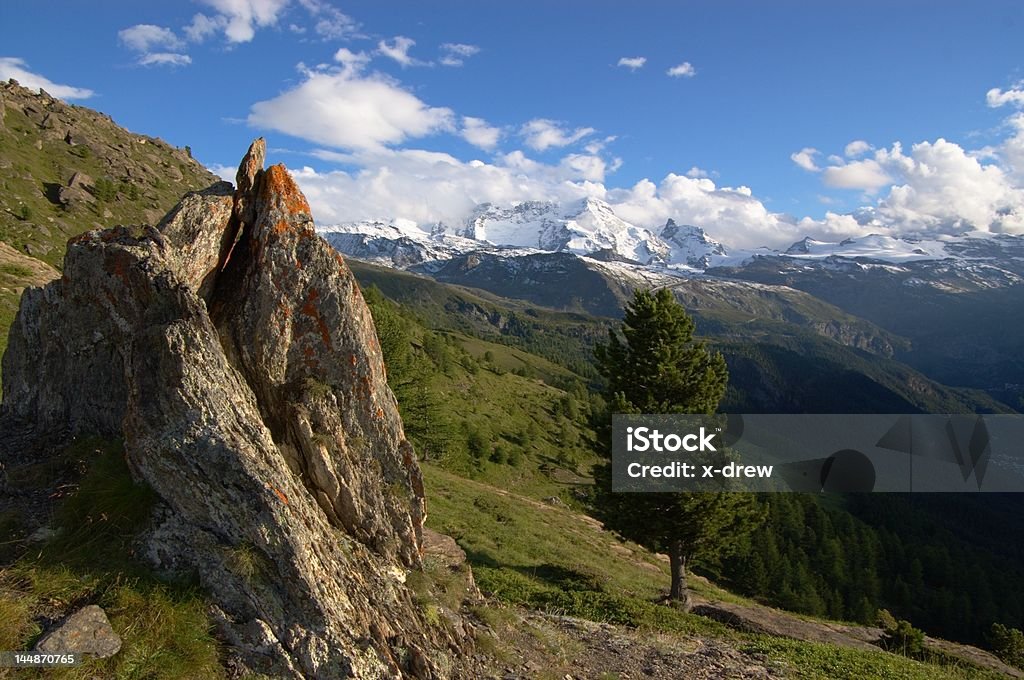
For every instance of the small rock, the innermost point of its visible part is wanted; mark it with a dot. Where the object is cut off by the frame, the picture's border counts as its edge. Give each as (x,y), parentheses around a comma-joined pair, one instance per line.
(42,534)
(87,631)
(80,180)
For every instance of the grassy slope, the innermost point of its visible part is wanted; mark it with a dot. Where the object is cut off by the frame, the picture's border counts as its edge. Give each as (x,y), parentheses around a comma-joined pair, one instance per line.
(163,625)
(36,162)
(530,553)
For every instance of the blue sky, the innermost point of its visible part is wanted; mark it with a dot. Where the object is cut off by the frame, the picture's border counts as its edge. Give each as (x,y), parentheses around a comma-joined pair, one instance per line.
(782,118)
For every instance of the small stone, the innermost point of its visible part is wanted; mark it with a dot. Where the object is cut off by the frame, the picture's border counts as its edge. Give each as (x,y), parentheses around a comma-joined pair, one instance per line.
(87,631)
(41,535)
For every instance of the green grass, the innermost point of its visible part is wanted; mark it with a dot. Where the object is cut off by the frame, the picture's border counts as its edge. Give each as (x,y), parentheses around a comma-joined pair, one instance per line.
(521,416)
(163,626)
(817,661)
(529,554)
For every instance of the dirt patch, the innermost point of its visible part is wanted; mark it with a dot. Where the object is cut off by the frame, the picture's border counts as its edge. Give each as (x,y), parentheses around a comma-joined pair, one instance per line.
(572,649)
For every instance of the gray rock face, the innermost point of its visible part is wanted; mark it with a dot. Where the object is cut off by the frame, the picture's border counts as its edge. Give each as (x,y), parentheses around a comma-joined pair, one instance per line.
(245,376)
(87,631)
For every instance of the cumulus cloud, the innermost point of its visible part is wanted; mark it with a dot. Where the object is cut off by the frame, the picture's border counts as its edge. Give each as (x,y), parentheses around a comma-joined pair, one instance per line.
(856,148)
(15,67)
(1014,96)
(351,62)
(341,109)
(239,19)
(632,63)
(866,175)
(542,133)
(944,189)
(165,59)
(477,132)
(455,54)
(805,158)
(158,45)
(684,70)
(202,27)
(935,187)
(427,186)
(398,49)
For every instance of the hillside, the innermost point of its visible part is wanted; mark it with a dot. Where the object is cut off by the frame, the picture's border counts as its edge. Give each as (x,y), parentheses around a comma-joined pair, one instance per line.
(65,169)
(499,398)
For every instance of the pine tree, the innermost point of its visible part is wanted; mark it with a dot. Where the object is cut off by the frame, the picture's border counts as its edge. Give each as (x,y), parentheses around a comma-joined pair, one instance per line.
(657,367)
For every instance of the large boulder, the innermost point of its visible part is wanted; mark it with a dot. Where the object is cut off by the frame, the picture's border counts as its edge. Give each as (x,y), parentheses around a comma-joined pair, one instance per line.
(232,349)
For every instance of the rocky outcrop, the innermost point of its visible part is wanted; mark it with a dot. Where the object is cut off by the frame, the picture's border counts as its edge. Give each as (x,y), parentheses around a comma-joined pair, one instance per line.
(232,349)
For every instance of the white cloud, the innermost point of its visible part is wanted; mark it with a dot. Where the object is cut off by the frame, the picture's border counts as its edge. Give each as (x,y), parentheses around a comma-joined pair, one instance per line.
(936,187)
(856,148)
(805,158)
(330,22)
(944,189)
(477,132)
(596,146)
(426,186)
(398,49)
(1014,96)
(1012,150)
(202,27)
(144,37)
(542,134)
(867,175)
(684,70)
(165,59)
(160,46)
(351,62)
(455,54)
(15,67)
(632,63)
(241,18)
(342,110)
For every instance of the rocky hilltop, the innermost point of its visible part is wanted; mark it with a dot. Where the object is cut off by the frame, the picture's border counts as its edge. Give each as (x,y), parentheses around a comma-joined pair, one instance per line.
(231,348)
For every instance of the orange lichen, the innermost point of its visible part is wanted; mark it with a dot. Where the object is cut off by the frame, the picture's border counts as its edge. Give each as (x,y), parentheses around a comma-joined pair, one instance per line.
(277,181)
(310,309)
(280,494)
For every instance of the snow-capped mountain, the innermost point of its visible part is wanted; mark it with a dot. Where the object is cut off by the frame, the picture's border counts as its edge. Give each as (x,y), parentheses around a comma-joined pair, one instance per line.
(689,245)
(584,227)
(590,229)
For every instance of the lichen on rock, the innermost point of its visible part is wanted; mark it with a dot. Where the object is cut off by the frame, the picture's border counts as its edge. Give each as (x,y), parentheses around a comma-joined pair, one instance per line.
(231,348)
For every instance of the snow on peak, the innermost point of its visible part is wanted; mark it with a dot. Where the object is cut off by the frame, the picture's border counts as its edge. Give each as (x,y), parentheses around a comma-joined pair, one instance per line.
(689,245)
(873,246)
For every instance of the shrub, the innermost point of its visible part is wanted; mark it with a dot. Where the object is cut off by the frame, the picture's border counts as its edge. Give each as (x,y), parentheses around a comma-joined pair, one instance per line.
(105,189)
(900,636)
(1007,643)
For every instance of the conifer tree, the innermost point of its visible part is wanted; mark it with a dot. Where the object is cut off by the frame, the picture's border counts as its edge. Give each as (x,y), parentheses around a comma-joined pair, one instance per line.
(654,365)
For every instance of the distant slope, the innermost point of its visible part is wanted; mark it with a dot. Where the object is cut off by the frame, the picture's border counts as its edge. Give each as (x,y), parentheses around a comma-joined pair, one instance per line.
(66,169)
(775,366)
(963,328)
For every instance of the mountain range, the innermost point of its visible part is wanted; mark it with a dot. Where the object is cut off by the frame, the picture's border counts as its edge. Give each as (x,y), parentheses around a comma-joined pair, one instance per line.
(939,303)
